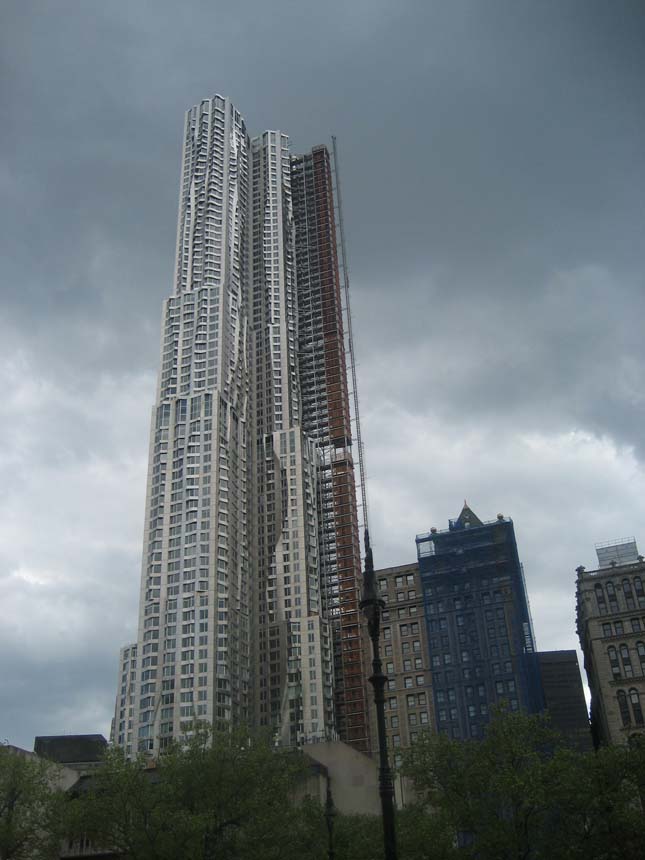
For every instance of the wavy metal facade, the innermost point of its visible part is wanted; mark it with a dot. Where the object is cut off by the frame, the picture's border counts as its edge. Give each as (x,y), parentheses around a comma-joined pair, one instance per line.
(249,583)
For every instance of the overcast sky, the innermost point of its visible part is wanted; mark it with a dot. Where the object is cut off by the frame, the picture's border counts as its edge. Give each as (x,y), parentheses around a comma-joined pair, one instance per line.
(493,169)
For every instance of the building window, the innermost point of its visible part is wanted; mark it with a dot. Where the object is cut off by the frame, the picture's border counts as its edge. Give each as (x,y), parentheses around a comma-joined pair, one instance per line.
(638,588)
(635,699)
(613,661)
(636,625)
(611,594)
(600,599)
(640,649)
(606,629)
(629,595)
(624,707)
(618,626)
(627,662)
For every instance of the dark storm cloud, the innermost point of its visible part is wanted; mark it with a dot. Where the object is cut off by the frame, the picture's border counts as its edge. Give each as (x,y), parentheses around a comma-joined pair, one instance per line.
(492,165)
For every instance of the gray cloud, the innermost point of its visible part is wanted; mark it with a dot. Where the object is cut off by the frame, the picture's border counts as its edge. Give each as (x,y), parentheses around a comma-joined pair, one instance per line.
(492,167)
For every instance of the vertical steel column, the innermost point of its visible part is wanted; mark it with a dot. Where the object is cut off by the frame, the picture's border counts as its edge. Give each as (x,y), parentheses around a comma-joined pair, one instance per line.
(372,606)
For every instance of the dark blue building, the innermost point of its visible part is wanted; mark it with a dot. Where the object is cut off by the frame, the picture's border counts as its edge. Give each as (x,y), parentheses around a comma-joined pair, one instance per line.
(480,636)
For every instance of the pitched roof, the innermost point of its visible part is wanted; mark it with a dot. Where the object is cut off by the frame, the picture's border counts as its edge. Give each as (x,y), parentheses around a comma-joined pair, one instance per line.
(467,518)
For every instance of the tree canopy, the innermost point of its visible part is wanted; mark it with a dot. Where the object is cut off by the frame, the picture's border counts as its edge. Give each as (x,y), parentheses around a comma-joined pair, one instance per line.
(29,806)
(222,795)
(520,794)
(517,794)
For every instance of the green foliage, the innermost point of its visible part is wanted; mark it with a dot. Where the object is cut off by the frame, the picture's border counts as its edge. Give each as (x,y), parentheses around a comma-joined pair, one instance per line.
(518,794)
(358,837)
(224,795)
(29,807)
(515,795)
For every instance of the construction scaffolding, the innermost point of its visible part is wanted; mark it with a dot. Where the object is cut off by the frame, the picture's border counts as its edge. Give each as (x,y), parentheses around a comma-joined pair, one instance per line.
(325,352)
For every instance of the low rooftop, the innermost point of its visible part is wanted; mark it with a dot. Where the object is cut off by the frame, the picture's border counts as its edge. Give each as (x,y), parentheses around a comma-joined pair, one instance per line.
(71,748)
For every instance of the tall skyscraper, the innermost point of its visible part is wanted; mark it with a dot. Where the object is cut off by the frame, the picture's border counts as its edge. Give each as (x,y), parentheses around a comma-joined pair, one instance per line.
(250,575)
(480,636)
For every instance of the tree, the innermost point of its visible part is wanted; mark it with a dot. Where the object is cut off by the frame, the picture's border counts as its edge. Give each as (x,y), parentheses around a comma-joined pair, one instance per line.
(520,794)
(29,807)
(223,795)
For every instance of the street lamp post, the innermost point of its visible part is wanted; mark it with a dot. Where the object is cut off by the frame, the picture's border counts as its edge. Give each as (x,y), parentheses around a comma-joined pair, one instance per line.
(372,605)
(330,813)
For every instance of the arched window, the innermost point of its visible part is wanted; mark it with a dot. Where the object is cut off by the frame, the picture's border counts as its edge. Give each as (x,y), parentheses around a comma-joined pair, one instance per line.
(638,588)
(600,598)
(621,695)
(640,648)
(611,594)
(635,699)
(629,594)
(613,661)
(627,661)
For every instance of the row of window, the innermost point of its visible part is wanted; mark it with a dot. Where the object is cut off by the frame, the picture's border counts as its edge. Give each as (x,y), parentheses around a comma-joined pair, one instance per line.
(624,702)
(627,669)
(619,627)
(607,596)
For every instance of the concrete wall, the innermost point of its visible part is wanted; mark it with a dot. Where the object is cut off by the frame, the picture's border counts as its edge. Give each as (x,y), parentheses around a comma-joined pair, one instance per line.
(353,777)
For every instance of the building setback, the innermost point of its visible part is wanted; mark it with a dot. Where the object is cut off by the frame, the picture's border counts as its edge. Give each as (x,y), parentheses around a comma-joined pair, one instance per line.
(610,606)
(480,636)
(564,697)
(292,660)
(250,573)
